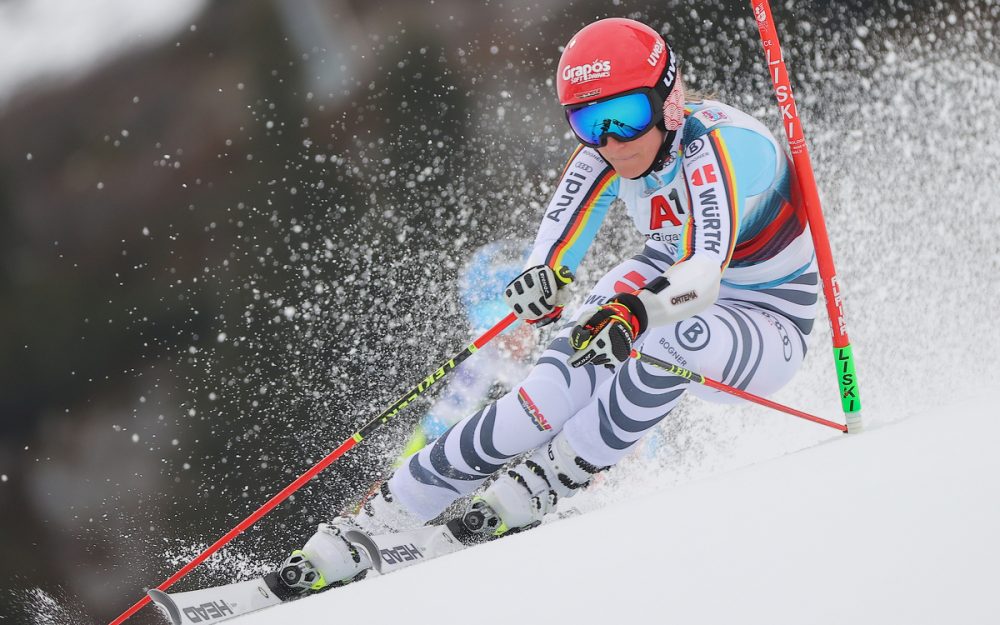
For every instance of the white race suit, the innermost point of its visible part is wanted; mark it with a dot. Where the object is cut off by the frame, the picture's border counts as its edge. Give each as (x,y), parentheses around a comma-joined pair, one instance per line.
(726,193)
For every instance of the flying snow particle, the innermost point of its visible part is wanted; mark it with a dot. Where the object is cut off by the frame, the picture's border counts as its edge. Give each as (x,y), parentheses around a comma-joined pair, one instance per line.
(135,438)
(145,231)
(221,338)
(3,478)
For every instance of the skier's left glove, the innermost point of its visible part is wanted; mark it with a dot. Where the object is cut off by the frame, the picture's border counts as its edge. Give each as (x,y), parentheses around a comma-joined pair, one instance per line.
(606,336)
(539,294)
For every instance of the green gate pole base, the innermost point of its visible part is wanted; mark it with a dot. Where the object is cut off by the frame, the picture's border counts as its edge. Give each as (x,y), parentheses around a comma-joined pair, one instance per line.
(848,379)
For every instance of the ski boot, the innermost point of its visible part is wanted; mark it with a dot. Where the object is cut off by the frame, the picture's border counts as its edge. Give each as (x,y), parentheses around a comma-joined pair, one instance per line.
(327,560)
(519,499)
(343,551)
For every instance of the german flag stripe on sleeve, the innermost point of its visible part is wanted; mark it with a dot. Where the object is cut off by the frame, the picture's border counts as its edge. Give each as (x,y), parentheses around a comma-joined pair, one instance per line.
(728,175)
(687,235)
(578,149)
(580,219)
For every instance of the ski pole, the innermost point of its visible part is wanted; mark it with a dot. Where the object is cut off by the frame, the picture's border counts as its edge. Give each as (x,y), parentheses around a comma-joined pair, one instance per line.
(843,354)
(356,438)
(725,388)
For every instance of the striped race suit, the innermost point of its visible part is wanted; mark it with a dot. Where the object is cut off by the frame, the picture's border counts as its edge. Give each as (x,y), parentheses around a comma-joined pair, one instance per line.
(726,193)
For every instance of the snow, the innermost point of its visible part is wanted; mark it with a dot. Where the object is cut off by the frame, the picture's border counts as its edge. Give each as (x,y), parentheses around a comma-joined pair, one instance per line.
(893,525)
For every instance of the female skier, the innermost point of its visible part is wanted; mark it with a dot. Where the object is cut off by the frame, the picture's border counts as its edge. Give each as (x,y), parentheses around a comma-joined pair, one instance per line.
(725,285)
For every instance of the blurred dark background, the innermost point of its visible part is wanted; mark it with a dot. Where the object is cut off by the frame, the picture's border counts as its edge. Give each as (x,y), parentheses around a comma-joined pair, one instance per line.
(229,231)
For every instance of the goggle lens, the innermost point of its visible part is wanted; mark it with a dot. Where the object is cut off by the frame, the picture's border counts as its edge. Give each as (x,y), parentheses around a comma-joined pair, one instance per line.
(627,117)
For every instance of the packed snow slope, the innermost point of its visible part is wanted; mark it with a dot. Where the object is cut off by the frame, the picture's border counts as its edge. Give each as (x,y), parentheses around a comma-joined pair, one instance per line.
(895,525)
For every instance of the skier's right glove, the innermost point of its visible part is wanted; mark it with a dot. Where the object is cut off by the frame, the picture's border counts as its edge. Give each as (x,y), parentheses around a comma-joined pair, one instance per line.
(539,294)
(605,336)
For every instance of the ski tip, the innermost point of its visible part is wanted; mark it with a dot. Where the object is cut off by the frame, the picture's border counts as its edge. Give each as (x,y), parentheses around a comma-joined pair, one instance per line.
(166,605)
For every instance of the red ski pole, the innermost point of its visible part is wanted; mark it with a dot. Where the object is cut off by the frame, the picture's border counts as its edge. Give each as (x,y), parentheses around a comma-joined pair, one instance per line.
(344,447)
(725,388)
(843,355)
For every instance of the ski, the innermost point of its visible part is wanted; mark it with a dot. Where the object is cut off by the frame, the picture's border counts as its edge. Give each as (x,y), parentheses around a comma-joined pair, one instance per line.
(211,605)
(389,553)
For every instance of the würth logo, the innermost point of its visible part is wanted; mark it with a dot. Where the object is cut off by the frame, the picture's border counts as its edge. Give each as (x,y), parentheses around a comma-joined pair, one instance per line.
(532,411)
(704,175)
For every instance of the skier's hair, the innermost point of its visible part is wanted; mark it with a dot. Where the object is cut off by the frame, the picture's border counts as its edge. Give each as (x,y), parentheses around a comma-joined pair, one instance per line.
(697,95)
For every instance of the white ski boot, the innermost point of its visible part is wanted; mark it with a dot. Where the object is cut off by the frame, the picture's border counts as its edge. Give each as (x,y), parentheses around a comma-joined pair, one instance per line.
(327,560)
(343,550)
(520,498)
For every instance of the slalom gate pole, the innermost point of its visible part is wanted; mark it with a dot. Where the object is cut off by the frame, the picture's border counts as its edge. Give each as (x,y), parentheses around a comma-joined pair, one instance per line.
(725,388)
(843,354)
(356,438)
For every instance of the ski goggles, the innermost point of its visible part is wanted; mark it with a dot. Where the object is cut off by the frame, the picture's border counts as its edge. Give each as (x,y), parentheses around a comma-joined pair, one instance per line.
(627,116)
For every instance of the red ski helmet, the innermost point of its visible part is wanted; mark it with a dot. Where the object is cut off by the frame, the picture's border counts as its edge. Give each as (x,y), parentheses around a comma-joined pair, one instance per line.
(615,55)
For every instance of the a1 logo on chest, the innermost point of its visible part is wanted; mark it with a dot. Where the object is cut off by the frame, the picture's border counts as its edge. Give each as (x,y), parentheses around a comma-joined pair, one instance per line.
(666,210)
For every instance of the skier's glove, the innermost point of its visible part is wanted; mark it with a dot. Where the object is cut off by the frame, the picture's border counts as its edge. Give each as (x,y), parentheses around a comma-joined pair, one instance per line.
(606,336)
(539,294)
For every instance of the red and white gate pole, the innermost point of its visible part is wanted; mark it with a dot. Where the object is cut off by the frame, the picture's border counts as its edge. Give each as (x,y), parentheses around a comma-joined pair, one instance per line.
(842,354)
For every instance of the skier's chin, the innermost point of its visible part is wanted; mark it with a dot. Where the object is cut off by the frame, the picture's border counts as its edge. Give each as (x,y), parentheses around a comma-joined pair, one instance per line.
(633,167)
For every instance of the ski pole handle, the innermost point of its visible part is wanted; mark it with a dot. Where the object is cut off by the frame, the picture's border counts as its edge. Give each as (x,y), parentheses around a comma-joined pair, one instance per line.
(725,388)
(344,447)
